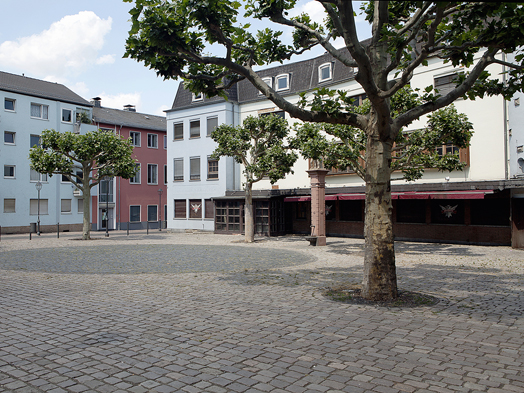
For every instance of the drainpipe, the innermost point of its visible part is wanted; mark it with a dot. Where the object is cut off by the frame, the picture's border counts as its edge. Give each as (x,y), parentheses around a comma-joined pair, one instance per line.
(505,103)
(119,191)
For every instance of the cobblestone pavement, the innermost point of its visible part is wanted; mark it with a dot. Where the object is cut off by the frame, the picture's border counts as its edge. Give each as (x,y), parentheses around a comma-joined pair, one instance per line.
(206,313)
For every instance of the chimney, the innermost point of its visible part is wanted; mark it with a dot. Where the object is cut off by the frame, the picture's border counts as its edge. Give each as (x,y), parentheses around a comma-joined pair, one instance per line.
(97,102)
(130,108)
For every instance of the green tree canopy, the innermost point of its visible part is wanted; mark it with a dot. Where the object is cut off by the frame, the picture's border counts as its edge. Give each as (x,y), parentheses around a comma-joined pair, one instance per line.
(174,38)
(260,146)
(97,154)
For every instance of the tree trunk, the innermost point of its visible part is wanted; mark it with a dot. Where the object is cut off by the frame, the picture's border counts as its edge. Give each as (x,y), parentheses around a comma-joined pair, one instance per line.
(86,228)
(380,279)
(249,214)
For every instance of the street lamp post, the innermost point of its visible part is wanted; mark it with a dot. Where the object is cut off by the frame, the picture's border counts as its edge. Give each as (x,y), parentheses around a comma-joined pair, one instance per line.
(38,186)
(160,209)
(107,205)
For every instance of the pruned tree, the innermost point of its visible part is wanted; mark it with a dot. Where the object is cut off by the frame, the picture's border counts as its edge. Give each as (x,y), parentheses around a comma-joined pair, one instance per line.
(260,146)
(97,154)
(172,38)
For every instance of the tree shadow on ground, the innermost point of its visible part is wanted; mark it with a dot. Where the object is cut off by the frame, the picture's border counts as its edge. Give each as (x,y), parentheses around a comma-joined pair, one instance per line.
(481,293)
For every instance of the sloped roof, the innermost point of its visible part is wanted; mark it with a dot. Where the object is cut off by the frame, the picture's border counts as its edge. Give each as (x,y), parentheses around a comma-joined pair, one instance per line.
(303,76)
(39,88)
(129,119)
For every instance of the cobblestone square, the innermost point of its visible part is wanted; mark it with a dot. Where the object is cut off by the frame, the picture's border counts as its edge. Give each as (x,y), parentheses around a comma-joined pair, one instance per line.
(194,312)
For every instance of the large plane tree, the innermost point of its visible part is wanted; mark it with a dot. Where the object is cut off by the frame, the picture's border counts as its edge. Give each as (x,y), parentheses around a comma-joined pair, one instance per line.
(211,46)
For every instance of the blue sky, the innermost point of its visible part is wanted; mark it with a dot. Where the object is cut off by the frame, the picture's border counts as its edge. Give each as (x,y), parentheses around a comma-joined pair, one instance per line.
(81,44)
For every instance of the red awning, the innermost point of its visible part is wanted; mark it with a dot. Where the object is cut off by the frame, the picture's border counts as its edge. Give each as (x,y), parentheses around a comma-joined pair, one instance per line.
(473,194)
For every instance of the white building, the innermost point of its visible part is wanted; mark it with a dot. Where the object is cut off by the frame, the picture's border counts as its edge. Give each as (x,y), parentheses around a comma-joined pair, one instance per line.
(469,206)
(30,106)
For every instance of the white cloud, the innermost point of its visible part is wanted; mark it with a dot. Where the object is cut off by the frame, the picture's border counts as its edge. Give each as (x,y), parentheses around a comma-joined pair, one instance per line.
(66,48)
(118,101)
(106,59)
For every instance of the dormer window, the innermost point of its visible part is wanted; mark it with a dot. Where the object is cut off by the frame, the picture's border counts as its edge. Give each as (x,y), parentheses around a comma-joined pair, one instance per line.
(282,82)
(324,72)
(198,97)
(268,81)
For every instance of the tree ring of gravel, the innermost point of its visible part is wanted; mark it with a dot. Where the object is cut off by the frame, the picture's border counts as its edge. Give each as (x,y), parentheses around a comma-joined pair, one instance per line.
(151,258)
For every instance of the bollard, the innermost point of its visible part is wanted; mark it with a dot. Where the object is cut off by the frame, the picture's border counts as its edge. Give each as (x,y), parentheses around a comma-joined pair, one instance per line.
(147,226)
(58,230)
(128,228)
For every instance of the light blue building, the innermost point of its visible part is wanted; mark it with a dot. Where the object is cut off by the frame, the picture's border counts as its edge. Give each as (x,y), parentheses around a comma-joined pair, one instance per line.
(30,106)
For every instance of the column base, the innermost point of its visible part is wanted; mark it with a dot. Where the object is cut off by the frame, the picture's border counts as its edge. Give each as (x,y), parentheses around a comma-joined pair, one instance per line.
(321,240)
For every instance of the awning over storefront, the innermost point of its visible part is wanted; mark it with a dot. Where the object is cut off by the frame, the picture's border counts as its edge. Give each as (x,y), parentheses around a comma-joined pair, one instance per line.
(473,194)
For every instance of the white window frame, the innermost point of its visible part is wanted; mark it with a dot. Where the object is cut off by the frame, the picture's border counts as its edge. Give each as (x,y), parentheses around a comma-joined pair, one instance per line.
(42,177)
(152,165)
(14,171)
(148,206)
(132,135)
(199,168)
(7,211)
(138,175)
(154,141)
(181,124)
(139,213)
(180,160)
(39,141)
(322,67)
(62,211)
(33,207)
(208,132)
(14,138)
(14,104)
(268,80)
(197,97)
(209,159)
(41,115)
(279,77)
(165,141)
(70,115)
(191,128)
(80,206)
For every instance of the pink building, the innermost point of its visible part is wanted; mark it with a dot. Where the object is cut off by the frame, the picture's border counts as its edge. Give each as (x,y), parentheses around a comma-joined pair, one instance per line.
(140,201)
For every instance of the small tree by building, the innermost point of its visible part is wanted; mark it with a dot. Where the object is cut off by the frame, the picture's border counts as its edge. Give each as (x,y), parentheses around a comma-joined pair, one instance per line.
(97,154)
(260,146)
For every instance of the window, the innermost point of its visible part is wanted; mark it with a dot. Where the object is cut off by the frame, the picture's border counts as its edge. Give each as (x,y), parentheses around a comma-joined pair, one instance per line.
(351,210)
(152,174)
(165,141)
(65,206)
(136,179)
(9,205)
(178,169)
(411,211)
(301,210)
(135,138)
(210,209)
(80,207)
(448,148)
(34,176)
(65,179)
(194,168)
(110,130)
(324,72)
(212,168)
(180,208)
(33,207)
(194,129)
(39,111)
(281,114)
(212,123)
(444,84)
(198,97)
(67,115)
(268,81)
(358,99)
(79,176)
(152,140)
(152,213)
(165,174)
(9,171)
(282,82)
(195,208)
(34,140)
(134,213)
(9,104)
(178,129)
(9,137)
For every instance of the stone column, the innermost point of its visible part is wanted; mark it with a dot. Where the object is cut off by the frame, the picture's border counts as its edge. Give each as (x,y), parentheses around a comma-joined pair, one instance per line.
(318,204)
